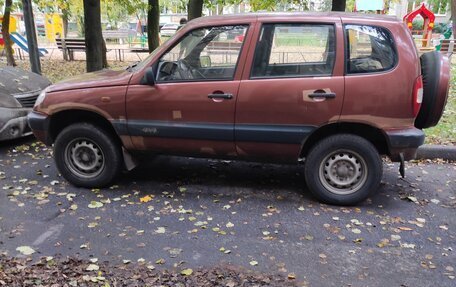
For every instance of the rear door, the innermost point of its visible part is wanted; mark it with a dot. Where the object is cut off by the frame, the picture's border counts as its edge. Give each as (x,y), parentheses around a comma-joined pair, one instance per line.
(293,84)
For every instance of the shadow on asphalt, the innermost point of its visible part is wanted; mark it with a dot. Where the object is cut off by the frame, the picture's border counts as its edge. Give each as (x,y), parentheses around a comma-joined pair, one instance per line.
(230,179)
(8,144)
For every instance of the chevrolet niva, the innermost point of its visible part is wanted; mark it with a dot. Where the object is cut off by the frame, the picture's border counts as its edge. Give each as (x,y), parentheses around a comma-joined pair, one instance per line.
(333,90)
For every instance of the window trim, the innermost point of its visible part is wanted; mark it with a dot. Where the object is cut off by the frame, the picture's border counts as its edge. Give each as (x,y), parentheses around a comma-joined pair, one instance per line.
(347,50)
(156,64)
(251,77)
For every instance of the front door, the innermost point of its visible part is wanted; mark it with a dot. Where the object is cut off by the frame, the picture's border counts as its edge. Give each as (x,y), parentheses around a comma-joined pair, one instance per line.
(295,84)
(190,109)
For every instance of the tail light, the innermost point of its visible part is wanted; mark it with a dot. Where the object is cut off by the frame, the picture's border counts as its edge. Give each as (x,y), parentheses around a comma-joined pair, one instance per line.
(417,95)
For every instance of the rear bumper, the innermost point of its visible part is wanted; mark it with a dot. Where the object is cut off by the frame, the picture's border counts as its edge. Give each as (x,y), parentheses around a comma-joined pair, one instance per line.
(13,123)
(405,142)
(39,123)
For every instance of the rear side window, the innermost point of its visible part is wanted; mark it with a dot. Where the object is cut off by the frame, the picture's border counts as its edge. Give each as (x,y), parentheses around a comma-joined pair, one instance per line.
(370,49)
(294,50)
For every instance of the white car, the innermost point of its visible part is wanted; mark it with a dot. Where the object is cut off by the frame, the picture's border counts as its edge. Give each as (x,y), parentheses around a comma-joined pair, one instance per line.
(18,92)
(169,29)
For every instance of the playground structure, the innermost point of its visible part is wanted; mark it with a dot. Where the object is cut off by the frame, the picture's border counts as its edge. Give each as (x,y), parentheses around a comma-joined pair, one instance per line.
(425,34)
(12,29)
(18,39)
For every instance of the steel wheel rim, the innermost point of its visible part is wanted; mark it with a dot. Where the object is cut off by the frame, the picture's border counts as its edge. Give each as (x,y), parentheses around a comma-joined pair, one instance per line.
(84,158)
(343,172)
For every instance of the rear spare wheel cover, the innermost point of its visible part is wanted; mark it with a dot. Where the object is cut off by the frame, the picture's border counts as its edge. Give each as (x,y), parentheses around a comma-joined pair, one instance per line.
(435,69)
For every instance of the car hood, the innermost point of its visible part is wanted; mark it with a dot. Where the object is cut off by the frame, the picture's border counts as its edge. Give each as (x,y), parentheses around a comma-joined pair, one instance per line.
(104,78)
(15,81)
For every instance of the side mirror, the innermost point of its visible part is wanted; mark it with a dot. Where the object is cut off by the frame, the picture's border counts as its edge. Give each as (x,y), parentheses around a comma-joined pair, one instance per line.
(205,62)
(149,77)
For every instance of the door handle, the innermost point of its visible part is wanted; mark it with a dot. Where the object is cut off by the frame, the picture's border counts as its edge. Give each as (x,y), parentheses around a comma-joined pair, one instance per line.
(322,95)
(220,96)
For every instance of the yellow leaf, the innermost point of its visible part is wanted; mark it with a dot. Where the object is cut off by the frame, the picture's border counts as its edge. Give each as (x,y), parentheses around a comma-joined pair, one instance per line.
(146,198)
(187,272)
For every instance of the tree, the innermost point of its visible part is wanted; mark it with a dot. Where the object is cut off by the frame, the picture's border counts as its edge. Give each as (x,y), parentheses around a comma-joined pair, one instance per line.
(153,21)
(258,5)
(6,35)
(195,9)
(338,5)
(95,46)
(62,6)
(453,17)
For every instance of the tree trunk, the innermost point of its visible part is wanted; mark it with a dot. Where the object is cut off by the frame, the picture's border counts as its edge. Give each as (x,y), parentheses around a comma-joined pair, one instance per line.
(93,36)
(65,17)
(338,5)
(220,8)
(195,9)
(453,17)
(65,33)
(153,20)
(6,36)
(103,54)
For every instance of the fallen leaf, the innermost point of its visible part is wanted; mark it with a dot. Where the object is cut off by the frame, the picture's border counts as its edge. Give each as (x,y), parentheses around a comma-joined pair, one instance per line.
(93,267)
(187,272)
(395,237)
(356,231)
(146,198)
(253,263)
(25,250)
(160,230)
(95,204)
(291,276)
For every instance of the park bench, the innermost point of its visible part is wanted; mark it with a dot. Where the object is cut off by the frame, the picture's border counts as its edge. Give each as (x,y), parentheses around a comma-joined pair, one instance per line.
(447,46)
(70,45)
(119,36)
(223,47)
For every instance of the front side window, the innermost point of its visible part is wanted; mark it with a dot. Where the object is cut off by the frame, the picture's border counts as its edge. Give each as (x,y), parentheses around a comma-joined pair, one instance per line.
(370,49)
(203,54)
(294,50)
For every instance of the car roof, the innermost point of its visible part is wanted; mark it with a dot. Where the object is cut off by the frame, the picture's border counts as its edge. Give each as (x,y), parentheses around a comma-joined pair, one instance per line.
(298,15)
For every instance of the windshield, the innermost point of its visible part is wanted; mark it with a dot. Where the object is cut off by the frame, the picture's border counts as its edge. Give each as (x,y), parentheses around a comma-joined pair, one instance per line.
(138,66)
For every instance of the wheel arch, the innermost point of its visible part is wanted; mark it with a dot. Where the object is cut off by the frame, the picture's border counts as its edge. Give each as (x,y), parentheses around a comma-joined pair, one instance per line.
(368,132)
(63,119)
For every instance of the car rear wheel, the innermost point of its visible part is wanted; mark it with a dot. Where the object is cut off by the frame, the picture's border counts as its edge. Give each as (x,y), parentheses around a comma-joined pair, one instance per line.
(87,155)
(436,74)
(343,169)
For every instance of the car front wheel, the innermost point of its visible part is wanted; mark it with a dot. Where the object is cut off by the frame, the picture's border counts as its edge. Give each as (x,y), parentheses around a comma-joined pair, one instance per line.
(87,155)
(343,169)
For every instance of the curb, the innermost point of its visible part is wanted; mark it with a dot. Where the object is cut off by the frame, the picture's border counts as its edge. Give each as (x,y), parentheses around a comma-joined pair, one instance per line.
(436,151)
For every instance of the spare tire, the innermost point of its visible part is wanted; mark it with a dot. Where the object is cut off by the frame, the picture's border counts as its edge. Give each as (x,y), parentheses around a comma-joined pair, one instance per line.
(435,69)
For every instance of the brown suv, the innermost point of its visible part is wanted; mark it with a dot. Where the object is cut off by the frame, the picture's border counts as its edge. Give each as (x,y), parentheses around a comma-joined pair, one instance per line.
(333,90)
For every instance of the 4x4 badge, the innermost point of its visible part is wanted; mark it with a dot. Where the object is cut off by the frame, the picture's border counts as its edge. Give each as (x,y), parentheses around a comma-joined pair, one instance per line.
(150,130)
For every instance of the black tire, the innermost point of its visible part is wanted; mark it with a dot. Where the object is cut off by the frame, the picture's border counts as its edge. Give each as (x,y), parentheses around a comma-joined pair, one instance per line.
(434,96)
(355,158)
(87,156)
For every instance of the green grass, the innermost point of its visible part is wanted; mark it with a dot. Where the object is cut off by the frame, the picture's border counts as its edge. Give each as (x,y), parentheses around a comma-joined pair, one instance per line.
(445,131)
(295,39)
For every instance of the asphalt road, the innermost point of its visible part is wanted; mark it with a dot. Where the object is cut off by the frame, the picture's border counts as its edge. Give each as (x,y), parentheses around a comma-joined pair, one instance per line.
(189,213)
